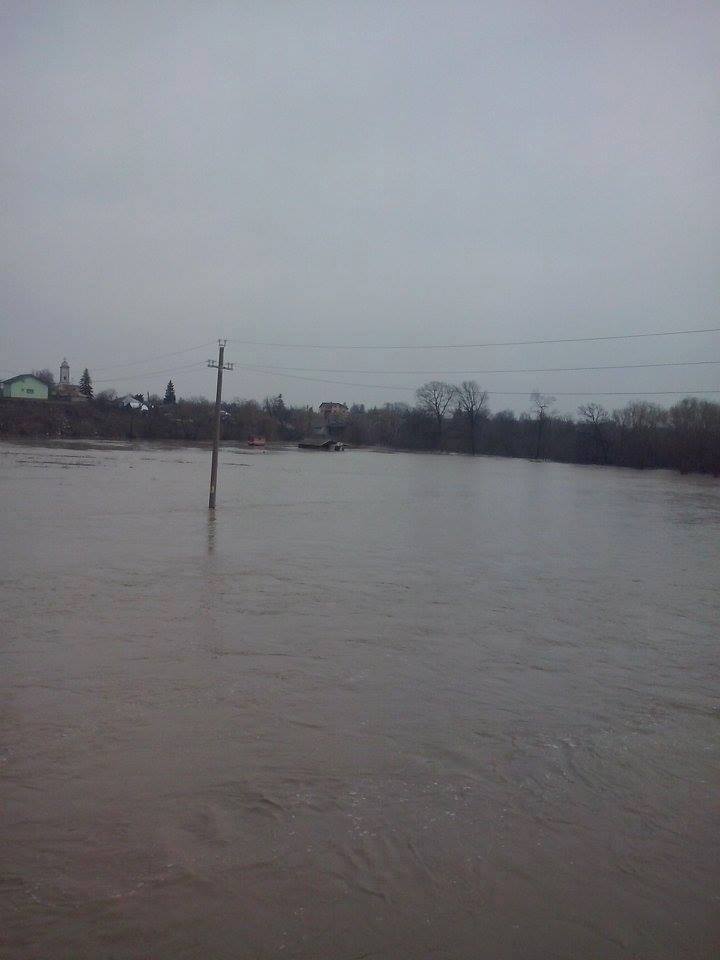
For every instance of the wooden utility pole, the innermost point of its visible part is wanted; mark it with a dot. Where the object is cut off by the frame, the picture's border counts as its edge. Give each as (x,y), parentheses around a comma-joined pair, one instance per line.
(221,365)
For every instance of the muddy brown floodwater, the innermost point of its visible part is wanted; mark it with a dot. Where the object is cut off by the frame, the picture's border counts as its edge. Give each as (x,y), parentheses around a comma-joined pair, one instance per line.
(382,706)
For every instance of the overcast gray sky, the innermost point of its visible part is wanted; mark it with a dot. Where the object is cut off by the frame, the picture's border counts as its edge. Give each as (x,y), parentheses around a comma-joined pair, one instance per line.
(360,173)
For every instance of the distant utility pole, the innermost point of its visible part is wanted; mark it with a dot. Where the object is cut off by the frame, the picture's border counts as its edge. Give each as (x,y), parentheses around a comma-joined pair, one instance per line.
(221,365)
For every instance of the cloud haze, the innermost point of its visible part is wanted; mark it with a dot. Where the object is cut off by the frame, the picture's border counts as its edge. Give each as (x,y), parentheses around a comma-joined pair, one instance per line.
(359,173)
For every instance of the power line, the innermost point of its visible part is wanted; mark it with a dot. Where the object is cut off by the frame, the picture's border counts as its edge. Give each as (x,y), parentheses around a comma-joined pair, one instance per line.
(136,363)
(341,383)
(465,346)
(609,393)
(162,356)
(280,372)
(497,393)
(613,366)
(148,373)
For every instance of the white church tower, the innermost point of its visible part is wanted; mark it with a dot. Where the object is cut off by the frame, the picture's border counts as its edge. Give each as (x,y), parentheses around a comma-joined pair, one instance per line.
(64,372)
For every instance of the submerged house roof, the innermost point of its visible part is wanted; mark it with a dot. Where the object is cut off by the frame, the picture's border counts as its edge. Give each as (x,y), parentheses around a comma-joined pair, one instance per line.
(317,442)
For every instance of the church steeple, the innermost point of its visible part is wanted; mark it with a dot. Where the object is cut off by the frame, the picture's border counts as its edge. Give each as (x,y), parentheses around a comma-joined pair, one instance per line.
(64,372)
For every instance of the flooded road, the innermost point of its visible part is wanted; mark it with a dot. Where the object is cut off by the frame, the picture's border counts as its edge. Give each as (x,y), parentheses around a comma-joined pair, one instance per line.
(383,706)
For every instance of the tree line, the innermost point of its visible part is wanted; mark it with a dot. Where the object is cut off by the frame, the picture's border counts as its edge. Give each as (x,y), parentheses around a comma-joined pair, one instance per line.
(644,435)
(444,417)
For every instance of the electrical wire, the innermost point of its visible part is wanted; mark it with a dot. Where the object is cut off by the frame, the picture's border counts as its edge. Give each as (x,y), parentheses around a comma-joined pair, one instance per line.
(498,393)
(136,363)
(284,372)
(149,373)
(162,356)
(612,366)
(465,346)
(610,393)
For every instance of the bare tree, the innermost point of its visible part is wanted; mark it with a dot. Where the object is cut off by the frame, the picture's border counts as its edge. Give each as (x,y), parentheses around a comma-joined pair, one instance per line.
(472,405)
(542,403)
(638,424)
(46,376)
(106,396)
(275,407)
(434,398)
(695,431)
(596,417)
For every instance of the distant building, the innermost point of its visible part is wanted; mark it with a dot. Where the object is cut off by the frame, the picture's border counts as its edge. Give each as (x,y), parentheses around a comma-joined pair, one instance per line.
(334,412)
(130,402)
(24,386)
(66,390)
(327,430)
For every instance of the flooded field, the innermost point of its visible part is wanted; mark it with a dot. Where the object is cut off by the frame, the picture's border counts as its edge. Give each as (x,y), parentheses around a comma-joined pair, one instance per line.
(382,706)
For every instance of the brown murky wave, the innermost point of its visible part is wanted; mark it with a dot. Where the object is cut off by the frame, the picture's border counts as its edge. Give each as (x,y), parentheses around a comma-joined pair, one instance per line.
(383,706)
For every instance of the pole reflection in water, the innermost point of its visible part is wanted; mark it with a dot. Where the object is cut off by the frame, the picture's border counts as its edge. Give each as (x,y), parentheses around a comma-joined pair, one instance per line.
(211,531)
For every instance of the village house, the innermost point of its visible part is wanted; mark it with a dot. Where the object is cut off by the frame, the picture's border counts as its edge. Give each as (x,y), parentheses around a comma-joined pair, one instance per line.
(334,413)
(24,386)
(131,402)
(327,434)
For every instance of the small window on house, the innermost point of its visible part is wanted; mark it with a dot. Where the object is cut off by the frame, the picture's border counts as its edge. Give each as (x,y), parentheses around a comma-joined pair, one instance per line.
(29,390)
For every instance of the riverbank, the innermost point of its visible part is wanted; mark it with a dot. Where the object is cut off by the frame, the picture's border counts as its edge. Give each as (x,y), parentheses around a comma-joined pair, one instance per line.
(685,437)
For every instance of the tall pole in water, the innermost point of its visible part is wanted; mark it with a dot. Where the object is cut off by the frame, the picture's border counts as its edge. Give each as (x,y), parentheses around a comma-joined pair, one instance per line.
(221,365)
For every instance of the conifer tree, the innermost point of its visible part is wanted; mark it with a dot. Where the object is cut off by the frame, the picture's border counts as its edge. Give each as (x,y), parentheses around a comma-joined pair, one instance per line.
(86,386)
(169,393)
